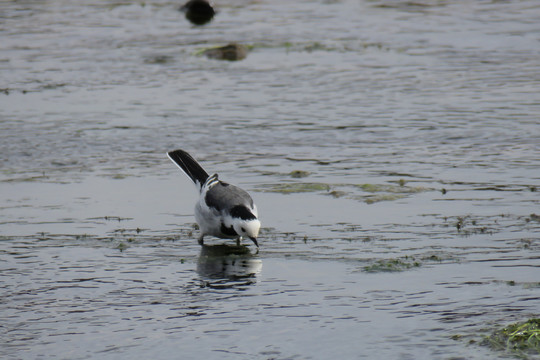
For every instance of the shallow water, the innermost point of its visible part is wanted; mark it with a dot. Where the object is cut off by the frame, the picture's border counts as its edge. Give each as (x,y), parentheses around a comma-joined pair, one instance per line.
(391,147)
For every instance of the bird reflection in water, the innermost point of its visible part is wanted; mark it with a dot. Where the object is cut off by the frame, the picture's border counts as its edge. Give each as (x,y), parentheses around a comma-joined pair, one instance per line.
(225,266)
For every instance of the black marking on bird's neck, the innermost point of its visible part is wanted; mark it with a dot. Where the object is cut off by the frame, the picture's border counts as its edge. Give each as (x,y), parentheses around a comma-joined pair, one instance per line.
(242,212)
(229,231)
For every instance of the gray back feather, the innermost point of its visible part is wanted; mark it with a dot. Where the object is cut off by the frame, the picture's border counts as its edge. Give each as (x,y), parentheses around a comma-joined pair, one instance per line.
(223,196)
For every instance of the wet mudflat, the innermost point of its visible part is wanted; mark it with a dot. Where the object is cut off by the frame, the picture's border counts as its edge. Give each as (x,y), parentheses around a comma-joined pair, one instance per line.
(391,147)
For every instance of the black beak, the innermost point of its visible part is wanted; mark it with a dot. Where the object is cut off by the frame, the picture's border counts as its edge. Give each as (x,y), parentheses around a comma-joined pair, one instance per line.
(254,241)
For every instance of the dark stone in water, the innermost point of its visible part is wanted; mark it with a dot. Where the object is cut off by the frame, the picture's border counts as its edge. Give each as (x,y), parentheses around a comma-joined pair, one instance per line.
(231,52)
(198,12)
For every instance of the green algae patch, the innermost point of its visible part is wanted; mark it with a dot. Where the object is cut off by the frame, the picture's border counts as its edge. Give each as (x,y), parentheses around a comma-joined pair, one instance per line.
(158,59)
(387,192)
(299,174)
(122,246)
(399,189)
(521,339)
(35,178)
(290,188)
(372,193)
(392,265)
(382,197)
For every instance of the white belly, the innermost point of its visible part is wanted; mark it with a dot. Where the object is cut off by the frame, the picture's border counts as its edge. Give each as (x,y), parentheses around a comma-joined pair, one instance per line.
(209,221)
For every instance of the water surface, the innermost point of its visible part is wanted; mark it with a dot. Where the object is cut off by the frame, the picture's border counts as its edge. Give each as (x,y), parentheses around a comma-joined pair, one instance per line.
(391,147)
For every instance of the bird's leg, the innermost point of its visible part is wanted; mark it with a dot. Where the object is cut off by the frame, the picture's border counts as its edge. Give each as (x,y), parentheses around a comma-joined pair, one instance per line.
(201,239)
(238,240)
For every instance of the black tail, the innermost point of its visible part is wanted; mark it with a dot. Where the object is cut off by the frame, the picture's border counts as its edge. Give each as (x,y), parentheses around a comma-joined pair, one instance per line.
(189,166)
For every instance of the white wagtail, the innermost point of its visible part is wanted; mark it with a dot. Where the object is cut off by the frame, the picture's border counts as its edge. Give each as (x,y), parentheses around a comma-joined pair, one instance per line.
(223,210)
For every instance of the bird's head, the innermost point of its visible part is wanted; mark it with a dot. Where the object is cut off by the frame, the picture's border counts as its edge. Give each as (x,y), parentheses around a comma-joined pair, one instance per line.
(248,229)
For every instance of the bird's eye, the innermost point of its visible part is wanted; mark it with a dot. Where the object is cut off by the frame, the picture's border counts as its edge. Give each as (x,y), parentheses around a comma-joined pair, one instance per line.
(243,230)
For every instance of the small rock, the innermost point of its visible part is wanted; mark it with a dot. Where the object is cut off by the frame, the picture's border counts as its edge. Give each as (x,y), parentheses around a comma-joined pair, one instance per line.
(231,52)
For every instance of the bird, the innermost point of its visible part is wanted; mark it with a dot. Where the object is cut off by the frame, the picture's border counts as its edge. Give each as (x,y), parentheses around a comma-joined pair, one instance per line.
(198,12)
(223,210)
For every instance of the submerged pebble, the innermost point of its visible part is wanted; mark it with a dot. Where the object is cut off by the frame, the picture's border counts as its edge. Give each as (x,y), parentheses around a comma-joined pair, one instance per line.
(231,52)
